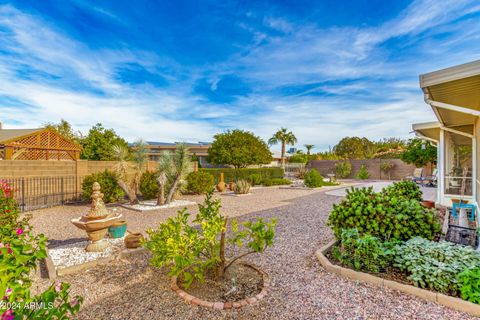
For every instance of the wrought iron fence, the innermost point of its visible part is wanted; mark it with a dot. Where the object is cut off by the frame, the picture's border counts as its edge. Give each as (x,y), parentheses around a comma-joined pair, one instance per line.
(41,192)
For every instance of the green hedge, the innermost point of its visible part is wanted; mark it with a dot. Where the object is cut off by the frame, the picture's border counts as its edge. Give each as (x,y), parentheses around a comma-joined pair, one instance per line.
(232,175)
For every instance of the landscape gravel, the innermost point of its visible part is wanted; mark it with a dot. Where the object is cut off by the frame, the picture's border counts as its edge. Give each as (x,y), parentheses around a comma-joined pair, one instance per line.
(71,254)
(152,205)
(300,287)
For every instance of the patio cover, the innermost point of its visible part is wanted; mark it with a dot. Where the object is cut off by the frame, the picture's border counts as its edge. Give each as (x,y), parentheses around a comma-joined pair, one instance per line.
(454,94)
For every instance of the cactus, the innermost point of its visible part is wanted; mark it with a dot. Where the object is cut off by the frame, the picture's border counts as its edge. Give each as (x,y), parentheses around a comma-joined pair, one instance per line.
(241,187)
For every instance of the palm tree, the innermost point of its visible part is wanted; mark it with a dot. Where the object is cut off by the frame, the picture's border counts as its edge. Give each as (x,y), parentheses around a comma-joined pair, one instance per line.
(285,137)
(309,147)
(175,166)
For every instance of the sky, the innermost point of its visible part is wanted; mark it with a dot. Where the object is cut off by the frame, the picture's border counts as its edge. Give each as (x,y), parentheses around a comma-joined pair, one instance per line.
(187,70)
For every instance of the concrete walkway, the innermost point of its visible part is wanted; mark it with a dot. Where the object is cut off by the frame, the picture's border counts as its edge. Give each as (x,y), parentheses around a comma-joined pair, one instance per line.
(428,192)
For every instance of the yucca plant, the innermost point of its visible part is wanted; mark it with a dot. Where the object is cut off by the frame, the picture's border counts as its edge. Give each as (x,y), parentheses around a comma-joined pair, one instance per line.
(176,167)
(129,167)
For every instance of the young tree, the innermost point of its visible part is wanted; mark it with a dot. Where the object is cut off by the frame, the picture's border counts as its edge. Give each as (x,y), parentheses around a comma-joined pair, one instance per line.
(98,144)
(239,149)
(419,152)
(284,137)
(175,166)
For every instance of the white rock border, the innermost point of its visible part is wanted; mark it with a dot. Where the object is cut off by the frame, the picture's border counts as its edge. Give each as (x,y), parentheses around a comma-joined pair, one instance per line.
(151,205)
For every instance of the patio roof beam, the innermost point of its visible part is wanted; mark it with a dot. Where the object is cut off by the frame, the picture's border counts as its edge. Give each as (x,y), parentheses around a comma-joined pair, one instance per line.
(457,132)
(452,107)
(421,136)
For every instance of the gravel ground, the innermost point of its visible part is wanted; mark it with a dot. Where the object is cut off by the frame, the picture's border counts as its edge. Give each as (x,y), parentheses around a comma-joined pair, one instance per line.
(301,288)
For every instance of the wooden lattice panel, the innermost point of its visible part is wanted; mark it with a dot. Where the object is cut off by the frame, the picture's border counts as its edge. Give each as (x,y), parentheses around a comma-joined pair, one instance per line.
(43,145)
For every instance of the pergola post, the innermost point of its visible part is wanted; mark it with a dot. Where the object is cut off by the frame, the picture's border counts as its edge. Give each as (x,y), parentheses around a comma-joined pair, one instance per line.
(8,152)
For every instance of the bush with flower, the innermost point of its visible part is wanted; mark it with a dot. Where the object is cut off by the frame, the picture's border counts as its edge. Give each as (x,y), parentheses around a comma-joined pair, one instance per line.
(20,252)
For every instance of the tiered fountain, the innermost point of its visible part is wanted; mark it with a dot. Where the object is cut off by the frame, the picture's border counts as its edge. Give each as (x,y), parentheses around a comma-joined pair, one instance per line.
(96,222)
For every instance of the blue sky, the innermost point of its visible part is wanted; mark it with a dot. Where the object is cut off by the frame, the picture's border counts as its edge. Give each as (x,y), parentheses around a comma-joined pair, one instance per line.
(185,70)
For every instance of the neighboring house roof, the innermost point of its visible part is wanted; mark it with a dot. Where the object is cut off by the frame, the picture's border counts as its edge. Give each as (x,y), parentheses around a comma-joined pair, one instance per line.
(172,144)
(11,134)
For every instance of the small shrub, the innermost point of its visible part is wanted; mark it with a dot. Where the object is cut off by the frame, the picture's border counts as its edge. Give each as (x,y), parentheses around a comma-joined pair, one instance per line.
(241,187)
(469,285)
(302,172)
(366,253)
(387,217)
(148,185)
(313,179)
(405,189)
(108,182)
(200,182)
(363,173)
(386,167)
(255,179)
(276,182)
(343,169)
(191,251)
(435,265)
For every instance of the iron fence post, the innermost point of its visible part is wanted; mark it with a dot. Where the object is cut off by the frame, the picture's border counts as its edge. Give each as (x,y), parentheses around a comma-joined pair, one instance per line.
(23,194)
(62,191)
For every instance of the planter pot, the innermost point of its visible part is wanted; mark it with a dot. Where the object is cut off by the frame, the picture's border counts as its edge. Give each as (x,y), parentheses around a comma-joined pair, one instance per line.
(231,186)
(221,187)
(428,204)
(229,305)
(118,229)
(133,240)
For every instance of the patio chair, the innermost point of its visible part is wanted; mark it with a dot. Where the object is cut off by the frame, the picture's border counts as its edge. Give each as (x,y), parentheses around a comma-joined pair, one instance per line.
(417,176)
(431,180)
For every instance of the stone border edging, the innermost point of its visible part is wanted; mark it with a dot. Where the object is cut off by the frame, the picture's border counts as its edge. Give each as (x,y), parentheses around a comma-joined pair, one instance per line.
(229,305)
(56,272)
(442,299)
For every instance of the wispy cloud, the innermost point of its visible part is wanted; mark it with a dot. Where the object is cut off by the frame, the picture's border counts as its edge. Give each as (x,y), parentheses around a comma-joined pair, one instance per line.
(322,82)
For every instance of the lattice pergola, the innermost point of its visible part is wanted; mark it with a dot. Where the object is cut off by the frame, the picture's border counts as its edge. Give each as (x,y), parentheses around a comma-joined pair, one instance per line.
(42,144)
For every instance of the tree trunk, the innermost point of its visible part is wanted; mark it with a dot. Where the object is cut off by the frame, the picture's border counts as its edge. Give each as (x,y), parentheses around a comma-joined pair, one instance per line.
(174,187)
(132,196)
(283,154)
(161,194)
(221,266)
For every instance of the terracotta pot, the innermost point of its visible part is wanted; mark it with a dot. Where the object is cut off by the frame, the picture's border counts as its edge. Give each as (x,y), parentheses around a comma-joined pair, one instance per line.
(428,204)
(231,186)
(133,240)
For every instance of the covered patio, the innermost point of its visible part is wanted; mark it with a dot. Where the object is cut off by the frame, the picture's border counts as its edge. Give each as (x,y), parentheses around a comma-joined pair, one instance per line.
(454,96)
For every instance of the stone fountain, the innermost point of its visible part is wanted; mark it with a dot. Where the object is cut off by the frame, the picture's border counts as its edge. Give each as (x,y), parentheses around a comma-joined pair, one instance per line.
(96,222)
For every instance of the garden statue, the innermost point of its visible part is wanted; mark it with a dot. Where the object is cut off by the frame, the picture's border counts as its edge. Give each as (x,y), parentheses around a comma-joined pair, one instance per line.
(96,222)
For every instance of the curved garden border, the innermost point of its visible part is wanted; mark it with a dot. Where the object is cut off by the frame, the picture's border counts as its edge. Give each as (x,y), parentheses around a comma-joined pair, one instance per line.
(229,304)
(448,301)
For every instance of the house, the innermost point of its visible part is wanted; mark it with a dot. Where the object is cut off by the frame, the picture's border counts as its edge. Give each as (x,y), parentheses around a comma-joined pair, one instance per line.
(36,144)
(454,96)
(200,150)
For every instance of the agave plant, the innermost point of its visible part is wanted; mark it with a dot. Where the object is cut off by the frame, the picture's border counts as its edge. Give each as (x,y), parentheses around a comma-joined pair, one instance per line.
(241,187)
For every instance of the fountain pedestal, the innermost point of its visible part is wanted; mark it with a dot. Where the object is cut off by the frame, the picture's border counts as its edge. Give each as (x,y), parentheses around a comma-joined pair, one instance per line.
(96,222)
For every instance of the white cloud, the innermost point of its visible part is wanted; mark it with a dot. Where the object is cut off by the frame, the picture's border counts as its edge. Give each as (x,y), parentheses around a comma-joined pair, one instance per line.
(381,97)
